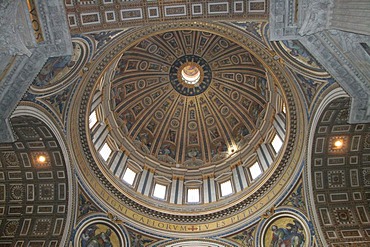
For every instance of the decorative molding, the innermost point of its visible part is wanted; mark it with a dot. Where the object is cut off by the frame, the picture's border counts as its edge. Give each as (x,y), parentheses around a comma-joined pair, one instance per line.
(121,204)
(316,17)
(11,42)
(290,19)
(141,13)
(283,20)
(338,52)
(22,71)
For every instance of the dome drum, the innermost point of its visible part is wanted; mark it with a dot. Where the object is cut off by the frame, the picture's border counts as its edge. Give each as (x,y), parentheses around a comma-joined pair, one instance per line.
(211,151)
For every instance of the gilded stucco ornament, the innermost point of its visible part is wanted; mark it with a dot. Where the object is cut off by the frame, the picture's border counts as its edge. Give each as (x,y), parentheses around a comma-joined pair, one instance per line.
(193,104)
(172,219)
(285,227)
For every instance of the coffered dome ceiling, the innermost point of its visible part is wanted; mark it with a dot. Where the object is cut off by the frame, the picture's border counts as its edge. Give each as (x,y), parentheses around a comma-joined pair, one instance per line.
(184,123)
(189,97)
(204,110)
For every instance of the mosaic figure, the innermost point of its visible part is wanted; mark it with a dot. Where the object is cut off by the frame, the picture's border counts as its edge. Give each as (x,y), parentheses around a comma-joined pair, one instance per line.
(85,206)
(296,198)
(289,236)
(242,136)
(220,152)
(116,96)
(99,235)
(245,238)
(142,142)
(58,100)
(193,158)
(167,154)
(299,52)
(52,67)
(138,240)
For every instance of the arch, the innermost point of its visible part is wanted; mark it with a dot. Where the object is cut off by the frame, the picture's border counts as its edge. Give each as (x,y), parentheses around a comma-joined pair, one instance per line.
(38,113)
(332,95)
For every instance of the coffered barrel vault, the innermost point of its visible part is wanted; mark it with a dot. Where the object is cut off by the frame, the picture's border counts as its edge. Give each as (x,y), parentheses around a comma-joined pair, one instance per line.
(35,192)
(340,191)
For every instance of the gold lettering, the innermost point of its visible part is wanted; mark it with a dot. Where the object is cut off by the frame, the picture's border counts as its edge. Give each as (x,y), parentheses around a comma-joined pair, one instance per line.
(221,224)
(234,218)
(35,21)
(142,219)
(120,208)
(33,10)
(244,214)
(113,202)
(150,222)
(102,193)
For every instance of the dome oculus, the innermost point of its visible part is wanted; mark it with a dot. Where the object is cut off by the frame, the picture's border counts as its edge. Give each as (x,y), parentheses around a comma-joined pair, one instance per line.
(190,75)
